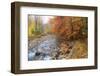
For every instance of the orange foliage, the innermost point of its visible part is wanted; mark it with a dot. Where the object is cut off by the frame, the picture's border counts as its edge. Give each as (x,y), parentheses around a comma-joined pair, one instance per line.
(67,27)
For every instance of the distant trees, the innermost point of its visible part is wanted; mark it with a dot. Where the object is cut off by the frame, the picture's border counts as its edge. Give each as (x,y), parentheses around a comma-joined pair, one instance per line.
(31,26)
(34,25)
(65,27)
(38,24)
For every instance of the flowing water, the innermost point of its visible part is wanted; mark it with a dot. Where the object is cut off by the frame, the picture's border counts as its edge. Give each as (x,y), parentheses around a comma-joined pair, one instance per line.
(44,48)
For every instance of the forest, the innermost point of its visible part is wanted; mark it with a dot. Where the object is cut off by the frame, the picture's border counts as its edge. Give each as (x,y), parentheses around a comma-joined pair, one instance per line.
(57,37)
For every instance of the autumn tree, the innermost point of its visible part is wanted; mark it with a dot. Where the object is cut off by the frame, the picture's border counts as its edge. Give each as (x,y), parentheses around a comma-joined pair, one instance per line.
(67,27)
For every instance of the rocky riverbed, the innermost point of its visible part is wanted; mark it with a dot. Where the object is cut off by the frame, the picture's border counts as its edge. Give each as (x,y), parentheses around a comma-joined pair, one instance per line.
(48,48)
(43,48)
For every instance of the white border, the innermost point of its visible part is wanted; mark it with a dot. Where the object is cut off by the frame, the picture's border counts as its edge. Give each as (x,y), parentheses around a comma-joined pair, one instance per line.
(25,64)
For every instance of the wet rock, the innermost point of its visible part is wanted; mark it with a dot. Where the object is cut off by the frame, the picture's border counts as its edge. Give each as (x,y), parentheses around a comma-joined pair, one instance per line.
(31,54)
